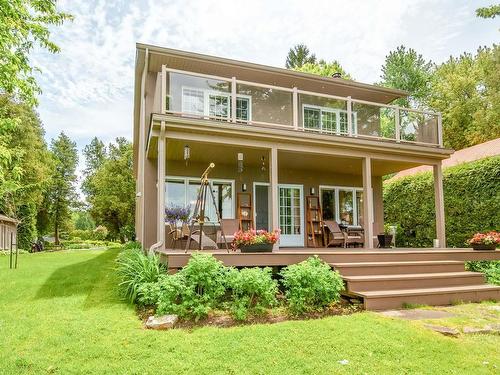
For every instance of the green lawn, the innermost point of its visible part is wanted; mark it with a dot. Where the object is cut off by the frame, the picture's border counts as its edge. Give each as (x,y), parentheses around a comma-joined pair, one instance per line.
(59,313)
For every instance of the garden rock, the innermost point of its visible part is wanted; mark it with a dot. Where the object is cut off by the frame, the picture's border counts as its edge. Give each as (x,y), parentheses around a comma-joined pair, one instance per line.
(162,322)
(444,330)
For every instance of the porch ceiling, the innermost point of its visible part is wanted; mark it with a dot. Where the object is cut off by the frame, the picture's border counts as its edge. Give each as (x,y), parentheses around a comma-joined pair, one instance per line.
(227,155)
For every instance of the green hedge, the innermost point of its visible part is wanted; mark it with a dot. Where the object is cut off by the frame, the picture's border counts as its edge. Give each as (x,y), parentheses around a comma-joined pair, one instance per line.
(471,198)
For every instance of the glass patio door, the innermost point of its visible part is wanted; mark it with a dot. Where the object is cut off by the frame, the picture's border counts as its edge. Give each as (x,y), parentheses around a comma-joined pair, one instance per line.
(291,210)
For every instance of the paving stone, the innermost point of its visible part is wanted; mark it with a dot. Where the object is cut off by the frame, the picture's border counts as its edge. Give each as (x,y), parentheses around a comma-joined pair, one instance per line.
(417,314)
(444,330)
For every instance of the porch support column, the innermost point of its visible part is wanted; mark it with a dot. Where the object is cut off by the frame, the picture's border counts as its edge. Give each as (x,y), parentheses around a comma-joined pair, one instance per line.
(161,186)
(273,183)
(368,202)
(439,204)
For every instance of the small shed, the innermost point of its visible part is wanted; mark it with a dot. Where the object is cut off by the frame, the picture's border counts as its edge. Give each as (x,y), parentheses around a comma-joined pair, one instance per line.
(8,231)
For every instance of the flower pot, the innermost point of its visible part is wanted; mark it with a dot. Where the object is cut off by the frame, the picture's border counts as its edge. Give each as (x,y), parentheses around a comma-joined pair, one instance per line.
(257,248)
(384,240)
(484,247)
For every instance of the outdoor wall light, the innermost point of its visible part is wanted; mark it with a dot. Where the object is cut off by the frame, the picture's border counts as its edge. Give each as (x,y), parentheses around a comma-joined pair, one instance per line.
(312,191)
(244,187)
(240,162)
(187,153)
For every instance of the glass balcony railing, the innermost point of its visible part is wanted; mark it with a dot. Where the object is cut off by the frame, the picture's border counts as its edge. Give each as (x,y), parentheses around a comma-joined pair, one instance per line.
(209,97)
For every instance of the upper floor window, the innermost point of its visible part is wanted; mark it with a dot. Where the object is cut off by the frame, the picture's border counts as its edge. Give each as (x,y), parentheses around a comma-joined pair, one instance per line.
(327,120)
(214,104)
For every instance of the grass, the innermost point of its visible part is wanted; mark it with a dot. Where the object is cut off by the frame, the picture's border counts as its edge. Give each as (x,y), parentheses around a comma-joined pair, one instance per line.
(60,314)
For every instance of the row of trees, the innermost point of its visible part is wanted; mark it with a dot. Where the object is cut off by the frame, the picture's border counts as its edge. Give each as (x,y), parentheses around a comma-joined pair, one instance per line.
(38,182)
(465,89)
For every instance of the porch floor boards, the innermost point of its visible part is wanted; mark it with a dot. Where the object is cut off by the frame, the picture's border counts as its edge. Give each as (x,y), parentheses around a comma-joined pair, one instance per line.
(383,278)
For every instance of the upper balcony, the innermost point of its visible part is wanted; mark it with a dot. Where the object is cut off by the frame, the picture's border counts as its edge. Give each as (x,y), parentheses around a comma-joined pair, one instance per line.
(187,86)
(217,98)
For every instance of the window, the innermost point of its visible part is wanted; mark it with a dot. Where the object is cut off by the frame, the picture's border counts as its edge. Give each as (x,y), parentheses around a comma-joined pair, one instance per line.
(243,108)
(214,104)
(327,120)
(182,191)
(343,204)
(218,105)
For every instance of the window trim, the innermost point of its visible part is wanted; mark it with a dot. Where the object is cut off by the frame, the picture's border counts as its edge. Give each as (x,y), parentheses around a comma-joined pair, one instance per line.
(206,102)
(337,112)
(186,181)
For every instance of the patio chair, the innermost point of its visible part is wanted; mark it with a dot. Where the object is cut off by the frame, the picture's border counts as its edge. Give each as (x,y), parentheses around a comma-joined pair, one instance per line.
(334,235)
(175,234)
(230,227)
(354,236)
(206,242)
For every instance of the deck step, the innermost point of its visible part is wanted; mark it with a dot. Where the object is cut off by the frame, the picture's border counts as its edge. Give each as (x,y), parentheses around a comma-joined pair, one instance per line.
(396,268)
(413,280)
(393,299)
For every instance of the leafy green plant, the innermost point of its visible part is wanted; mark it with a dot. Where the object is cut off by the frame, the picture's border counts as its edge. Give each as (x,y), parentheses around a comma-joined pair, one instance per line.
(135,269)
(193,291)
(310,286)
(491,269)
(252,291)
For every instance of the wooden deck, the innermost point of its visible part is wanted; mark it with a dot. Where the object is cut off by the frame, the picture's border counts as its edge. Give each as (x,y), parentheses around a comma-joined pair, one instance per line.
(176,258)
(382,278)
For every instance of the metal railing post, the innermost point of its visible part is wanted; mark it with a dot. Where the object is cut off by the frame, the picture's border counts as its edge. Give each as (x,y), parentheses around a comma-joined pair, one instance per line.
(295,104)
(398,124)
(440,129)
(233,99)
(349,116)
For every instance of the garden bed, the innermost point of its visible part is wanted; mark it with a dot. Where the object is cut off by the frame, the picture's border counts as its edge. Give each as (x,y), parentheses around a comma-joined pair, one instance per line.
(222,319)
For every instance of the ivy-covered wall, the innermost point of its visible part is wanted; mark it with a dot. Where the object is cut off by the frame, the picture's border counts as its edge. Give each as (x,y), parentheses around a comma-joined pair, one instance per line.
(471,198)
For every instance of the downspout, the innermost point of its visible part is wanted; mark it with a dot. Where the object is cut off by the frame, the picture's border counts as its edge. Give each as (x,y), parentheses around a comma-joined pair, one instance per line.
(161,190)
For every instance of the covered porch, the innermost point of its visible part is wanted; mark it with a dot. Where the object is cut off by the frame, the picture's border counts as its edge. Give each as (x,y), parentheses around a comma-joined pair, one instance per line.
(277,179)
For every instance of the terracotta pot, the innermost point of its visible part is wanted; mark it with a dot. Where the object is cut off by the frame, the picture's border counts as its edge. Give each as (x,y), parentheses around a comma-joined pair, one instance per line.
(257,248)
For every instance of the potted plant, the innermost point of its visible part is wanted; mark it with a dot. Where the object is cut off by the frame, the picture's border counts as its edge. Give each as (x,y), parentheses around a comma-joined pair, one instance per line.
(385,239)
(176,214)
(255,241)
(485,241)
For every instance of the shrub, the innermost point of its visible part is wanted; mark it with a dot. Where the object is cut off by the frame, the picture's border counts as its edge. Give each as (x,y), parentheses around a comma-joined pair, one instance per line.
(310,286)
(196,289)
(100,233)
(491,269)
(133,245)
(252,291)
(471,200)
(135,269)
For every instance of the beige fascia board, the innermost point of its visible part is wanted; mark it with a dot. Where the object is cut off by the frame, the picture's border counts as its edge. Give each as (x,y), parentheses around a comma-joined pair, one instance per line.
(250,135)
(271,69)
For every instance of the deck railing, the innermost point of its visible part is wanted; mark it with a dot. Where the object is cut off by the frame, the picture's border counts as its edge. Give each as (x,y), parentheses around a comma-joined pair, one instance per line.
(205,96)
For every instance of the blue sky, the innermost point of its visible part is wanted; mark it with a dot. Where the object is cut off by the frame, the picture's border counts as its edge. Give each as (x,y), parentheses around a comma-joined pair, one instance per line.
(88,87)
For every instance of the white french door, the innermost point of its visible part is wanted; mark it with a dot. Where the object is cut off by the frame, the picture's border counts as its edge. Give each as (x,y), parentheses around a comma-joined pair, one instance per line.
(291,215)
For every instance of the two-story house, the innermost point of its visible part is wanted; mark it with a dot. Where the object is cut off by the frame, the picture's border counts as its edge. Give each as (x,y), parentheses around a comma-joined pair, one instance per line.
(291,150)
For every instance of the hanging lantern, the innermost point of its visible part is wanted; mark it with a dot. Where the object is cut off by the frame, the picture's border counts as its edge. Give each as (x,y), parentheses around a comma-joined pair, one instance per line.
(263,164)
(187,153)
(240,162)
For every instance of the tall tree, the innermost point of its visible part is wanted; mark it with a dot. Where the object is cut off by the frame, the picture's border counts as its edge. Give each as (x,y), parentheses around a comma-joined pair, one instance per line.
(324,69)
(407,70)
(62,195)
(298,56)
(95,155)
(25,24)
(25,166)
(112,203)
(466,90)
(488,12)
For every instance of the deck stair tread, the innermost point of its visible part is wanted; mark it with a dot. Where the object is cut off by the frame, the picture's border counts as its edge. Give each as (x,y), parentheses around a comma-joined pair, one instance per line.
(425,291)
(392,264)
(412,276)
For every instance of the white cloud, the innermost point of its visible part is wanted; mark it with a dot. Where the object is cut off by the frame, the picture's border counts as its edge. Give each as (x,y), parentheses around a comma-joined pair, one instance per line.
(87,88)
